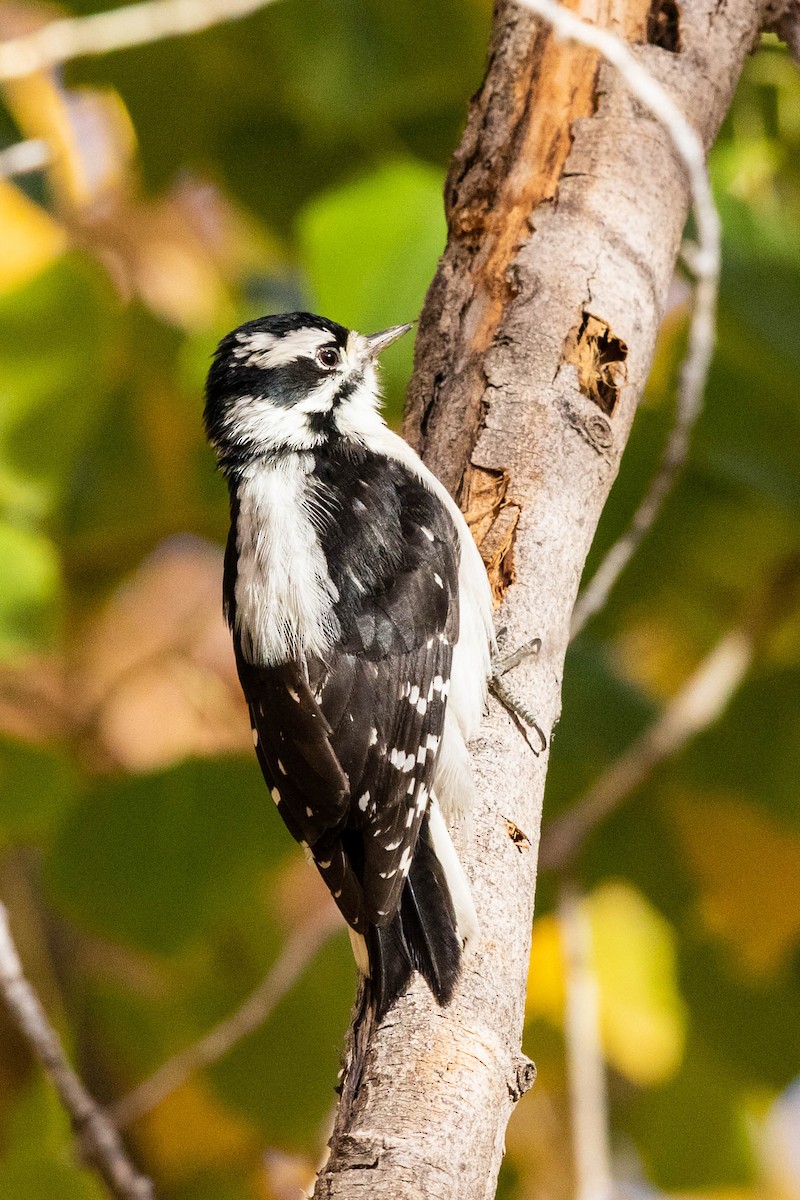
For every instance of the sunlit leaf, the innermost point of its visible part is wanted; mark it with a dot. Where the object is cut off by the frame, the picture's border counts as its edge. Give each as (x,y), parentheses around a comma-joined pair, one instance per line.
(642,1018)
(392,220)
(30,239)
(30,592)
(746,866)
(641,1014)
(190,1134)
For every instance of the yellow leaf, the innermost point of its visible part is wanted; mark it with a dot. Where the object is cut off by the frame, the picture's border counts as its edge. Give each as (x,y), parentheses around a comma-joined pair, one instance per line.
(642,1017)
(652,654)
(29,238)
(642,1020)
(88,130)
(746,866)
(546,996)
(190,1132)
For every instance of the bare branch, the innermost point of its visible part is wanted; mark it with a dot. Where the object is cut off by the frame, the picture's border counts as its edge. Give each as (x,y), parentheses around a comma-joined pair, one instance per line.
(97,1137)
(299,950)
(703,260)
(118,29)
(24,157)
(697,705)
(585,1064)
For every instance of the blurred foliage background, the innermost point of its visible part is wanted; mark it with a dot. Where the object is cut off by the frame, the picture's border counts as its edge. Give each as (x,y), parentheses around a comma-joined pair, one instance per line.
(296,160)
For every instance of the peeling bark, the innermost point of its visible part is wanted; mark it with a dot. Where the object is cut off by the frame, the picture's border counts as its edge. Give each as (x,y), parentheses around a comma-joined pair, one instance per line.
(565,208)
(492,516)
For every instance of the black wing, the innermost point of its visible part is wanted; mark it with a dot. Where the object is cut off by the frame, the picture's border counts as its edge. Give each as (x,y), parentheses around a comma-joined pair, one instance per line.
(350,743)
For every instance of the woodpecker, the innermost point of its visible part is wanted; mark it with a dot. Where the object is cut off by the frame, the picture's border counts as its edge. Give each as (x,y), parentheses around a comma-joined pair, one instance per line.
(361,619)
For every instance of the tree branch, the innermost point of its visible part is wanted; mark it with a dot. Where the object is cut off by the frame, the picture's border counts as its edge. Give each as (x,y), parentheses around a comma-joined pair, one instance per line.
(119,29)
(97,1137)
(585,1062)
(24,157)
(566,205)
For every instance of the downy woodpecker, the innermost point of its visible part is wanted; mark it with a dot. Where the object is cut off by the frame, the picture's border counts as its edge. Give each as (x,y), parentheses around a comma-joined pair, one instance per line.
(362,625)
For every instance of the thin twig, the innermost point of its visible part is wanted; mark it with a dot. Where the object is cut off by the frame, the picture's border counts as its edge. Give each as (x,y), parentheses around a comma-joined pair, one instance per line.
(297,953)
(24,157)
(585,1064)
(118,29)
(704,262)
(697,705)
(97,1137)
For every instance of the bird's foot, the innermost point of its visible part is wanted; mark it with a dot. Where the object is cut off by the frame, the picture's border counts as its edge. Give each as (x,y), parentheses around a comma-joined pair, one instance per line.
(520,714)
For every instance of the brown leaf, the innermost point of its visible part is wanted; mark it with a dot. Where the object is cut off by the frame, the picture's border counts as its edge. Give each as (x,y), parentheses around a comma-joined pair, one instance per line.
(155,679)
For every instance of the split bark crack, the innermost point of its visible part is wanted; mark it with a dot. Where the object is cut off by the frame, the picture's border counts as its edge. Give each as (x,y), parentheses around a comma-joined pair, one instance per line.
(488,395)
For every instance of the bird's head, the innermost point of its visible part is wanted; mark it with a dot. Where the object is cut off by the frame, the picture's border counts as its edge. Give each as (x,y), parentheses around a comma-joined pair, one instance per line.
(292,381)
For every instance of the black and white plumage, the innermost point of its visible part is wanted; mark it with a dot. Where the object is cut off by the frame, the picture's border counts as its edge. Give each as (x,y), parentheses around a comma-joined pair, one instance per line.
(361,621)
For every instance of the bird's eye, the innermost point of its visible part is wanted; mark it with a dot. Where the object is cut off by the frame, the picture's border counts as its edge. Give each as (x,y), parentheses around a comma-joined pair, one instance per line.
(328,357)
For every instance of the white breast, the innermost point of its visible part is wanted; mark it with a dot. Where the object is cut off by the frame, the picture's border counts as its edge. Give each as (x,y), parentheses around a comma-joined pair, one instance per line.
(284,595)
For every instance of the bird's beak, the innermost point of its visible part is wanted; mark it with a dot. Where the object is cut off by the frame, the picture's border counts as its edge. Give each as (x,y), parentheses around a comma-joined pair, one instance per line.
(376,342)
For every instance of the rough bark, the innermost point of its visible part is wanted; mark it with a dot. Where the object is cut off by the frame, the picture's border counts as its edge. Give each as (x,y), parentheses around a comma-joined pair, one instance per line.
(566,207)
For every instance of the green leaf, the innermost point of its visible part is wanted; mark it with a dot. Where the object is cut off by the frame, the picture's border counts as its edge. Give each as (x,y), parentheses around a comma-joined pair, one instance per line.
(213,1187)
(764,712)
(306,93)
(750,1026)
(39,1154)
(56,351)
(31,591)
(283,1075)
(751,419)
(370,249)
(692,1133)
(159,861)
(36,785)
(602,714)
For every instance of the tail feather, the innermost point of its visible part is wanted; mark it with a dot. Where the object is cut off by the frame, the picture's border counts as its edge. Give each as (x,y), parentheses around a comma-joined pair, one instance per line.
(389,965)
(423,936)
(429,922)
(435,920)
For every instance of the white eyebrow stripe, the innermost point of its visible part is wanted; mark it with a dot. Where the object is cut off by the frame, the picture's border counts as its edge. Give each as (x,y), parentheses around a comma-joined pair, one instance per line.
(264,349)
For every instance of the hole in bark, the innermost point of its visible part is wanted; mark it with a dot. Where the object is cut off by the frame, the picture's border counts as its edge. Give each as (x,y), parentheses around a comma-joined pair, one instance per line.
(600,358)
(664,25)
(520,839)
